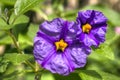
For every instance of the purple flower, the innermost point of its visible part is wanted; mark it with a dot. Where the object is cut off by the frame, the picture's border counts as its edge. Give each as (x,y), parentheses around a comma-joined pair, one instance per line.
(57,49)
(93,25)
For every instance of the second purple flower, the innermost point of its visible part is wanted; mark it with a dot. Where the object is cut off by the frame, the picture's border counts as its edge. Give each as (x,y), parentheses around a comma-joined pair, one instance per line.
(93,25)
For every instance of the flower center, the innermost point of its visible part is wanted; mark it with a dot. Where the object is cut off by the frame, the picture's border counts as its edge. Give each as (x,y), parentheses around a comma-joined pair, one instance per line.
(86,28)
(61,45)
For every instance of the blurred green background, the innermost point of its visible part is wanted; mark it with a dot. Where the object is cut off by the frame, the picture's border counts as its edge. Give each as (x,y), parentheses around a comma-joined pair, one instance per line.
(106,58)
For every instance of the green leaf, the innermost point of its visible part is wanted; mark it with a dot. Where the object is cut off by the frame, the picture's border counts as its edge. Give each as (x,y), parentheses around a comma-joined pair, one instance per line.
(72,76)
(30,76)
(52,16)
(96,75)
(108,76)
(9,2)
(11,72)
(3,65)
(25,41)
(5,39)
(6,27)
(33,28)
(105,51)
(110,33)
(22,6)
(16,58)
(3,24)
(47,76)
(20,25)
(20,20)
(89,75)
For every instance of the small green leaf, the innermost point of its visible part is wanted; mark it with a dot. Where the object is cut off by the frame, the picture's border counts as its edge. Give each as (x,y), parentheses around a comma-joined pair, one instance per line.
(72,76)
(25,41)
(96,75)
(5,39)
(20,20)
(3,24)
(47,76)
(33,28)
(9,2)
(105,51)
(3,65)
(89,75)
(110,33)
(52,16)
(16,58)
(20,24)
(108,76)
(22,6)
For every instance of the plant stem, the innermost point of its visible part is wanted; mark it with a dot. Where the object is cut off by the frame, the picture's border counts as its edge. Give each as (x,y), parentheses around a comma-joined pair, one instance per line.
(38,74)
(28,63)
(18,48)
(36,67)
(15,42)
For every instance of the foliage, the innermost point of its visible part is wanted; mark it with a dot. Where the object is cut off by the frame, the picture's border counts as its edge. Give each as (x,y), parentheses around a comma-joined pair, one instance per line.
(17,31)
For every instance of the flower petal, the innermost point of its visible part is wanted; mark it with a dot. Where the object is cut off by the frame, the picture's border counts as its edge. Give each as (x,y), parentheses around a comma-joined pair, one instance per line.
(73,30)
(52,28)
(78,53)
(83,16)
(88,39)
(57,64)
(42,48)
(92,17)
(99,18)
(99,33)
